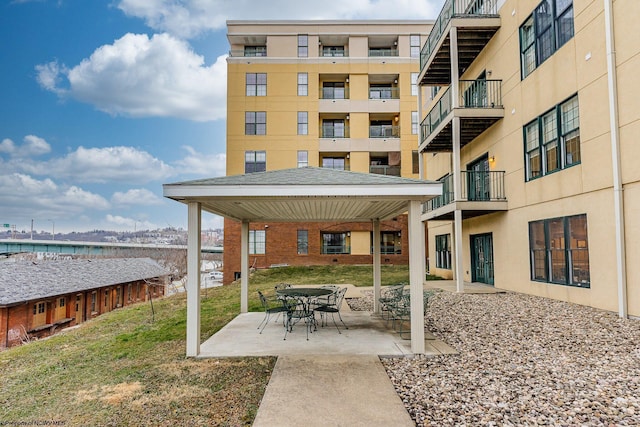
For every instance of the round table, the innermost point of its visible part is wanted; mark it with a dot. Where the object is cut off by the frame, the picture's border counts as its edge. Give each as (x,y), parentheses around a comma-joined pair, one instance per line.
(304,292)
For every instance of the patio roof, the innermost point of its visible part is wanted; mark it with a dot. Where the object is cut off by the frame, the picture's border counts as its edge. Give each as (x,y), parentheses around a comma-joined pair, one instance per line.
(304,194)
(307,194)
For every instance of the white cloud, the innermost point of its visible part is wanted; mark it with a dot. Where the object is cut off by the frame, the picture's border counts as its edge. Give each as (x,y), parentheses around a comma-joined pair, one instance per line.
(101,165)
(190,18)
(195,163)
(22,196)
(32,146)
(122,223)
(136,197)
(138,76)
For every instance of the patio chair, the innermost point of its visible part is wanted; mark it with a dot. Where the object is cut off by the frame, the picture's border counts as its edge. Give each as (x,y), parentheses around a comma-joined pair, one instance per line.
(298,309)
(390,298)
(402,311)
(326,299)
(270,306)
(333,307)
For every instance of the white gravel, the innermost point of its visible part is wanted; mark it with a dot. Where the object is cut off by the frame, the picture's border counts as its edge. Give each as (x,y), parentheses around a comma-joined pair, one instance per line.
(523,360)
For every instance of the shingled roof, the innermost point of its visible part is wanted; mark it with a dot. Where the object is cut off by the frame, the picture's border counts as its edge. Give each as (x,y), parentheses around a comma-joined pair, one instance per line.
(23,281)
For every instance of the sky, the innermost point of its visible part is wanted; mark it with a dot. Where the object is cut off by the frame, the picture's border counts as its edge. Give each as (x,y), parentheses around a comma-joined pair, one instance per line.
(103,101)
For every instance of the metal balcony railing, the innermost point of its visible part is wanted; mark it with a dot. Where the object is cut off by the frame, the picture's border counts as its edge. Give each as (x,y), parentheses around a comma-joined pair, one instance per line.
(450,9)
(383,52)
(333,52)
(384,131)
(249,51)
(330,131)
(385,170)
(384,93)
(472,94)
(334,93)
(476,186)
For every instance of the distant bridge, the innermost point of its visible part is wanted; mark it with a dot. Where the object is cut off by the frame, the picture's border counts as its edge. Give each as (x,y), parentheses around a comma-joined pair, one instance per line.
(14,246)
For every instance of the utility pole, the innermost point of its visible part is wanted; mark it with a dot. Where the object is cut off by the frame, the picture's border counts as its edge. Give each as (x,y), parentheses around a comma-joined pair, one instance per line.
(32,229)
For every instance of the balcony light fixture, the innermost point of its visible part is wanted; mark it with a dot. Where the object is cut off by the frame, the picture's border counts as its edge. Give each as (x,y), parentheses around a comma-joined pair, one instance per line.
(492,159)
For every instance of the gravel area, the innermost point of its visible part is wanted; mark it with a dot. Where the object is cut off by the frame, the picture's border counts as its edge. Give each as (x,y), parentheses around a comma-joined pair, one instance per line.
(523,360)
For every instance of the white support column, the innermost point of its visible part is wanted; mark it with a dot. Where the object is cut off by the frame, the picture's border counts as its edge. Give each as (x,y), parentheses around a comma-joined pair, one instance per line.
(457,173)
(376,266)
(244,267)
(194,215)
(416,277)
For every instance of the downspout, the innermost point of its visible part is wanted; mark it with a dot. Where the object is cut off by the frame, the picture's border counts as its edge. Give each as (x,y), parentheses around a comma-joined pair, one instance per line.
(618,195)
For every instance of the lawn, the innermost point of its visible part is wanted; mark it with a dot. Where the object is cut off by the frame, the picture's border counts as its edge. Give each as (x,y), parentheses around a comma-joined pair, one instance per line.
(128,367)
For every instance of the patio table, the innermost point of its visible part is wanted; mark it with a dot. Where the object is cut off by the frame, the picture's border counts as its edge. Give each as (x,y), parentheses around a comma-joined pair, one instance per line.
(303,296)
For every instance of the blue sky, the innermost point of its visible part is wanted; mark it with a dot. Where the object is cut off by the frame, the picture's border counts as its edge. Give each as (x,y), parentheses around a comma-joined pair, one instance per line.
(101,102)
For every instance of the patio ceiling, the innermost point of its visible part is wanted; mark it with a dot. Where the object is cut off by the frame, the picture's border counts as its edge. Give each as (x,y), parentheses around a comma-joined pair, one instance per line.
(304,194)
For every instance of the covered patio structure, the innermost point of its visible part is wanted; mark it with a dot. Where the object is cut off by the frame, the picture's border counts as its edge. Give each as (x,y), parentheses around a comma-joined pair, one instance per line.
(307,195)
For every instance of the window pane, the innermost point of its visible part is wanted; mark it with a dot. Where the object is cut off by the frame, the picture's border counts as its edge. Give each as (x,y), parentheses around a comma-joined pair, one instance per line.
(572,148)
(557,251)
(303,159)
(549,127)
(303,242)
(261,156)
(250,117)
(570,115)
(565,27)
(537,246)
(302,78)
(545,45)
(579,250)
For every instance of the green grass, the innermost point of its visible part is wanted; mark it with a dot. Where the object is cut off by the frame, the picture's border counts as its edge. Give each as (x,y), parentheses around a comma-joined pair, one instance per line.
(122,368)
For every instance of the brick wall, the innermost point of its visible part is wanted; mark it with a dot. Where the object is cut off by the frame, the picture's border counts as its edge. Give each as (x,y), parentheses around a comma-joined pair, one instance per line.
(282,244)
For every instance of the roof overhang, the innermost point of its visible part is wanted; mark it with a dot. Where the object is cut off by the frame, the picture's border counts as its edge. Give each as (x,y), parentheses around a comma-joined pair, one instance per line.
(304,194)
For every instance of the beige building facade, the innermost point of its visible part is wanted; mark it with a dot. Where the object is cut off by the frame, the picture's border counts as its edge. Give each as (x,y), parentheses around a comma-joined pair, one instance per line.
(330,94)
(529,116)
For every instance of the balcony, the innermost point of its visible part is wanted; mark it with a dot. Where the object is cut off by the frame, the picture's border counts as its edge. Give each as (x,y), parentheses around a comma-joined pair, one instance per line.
(334,130)
(249,51)
(482,193)
(480,106)
(384,131)
(382,52)
(333,52)
(387,92)
(334,92)
(385,170)
(476,22)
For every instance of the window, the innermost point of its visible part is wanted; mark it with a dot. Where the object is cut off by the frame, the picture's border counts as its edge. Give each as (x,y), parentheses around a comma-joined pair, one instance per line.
(256,84)
(94,297)
(335,243)
(255,161)
(78,301)
(333,51)
(390,243)
(38,308)
(414,123)
(62,302)
(548,28)
(255,51)
(443,251)
(106,297)
(303,242)
(129,289)
(333,163)
(415,45)
(303,45)
(255,123)
(333,90)
(549,145)
(415,162)
(303,123)
(414,84)
(303,84)
(333,128)
(257,239)
(303,159)
(559,251)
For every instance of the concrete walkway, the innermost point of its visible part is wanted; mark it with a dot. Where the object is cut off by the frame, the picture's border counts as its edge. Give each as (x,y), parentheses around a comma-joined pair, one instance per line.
(331,391)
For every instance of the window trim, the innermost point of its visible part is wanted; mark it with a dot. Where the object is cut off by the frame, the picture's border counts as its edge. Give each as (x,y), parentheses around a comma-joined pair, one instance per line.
(254,88)
(254,161)
(303,45)
(303,123)
(443,248)
(560,139)
(303,86)
(255,127)
(302,242)
(257,246)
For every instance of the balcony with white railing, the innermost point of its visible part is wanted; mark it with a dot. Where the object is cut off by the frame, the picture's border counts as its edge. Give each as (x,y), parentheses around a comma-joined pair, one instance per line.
(476,21)
(479,107)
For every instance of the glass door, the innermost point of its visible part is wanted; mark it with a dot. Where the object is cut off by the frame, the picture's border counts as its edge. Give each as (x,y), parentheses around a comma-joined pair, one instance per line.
(482,258)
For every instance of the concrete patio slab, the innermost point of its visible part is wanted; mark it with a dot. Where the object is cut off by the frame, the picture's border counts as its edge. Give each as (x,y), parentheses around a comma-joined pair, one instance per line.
(367,335)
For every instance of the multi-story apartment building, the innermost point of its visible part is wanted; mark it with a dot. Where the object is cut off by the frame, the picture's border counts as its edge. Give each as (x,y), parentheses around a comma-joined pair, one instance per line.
(529,115)
(331,94)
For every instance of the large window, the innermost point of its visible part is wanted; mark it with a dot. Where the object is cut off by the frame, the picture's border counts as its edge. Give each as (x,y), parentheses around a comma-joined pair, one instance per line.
(414,84)
(390,242)
(303,45)
(415,162)
(257,239)
(303,123)
(333,128)
(333,90)
(303,84)
(414,123)
(255,123)
(559,251)
(255,51)
(335,243)
(443,251)
(548,28)
(255,161)
(303,242)
(333,163)
(552,141)
(256,84)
